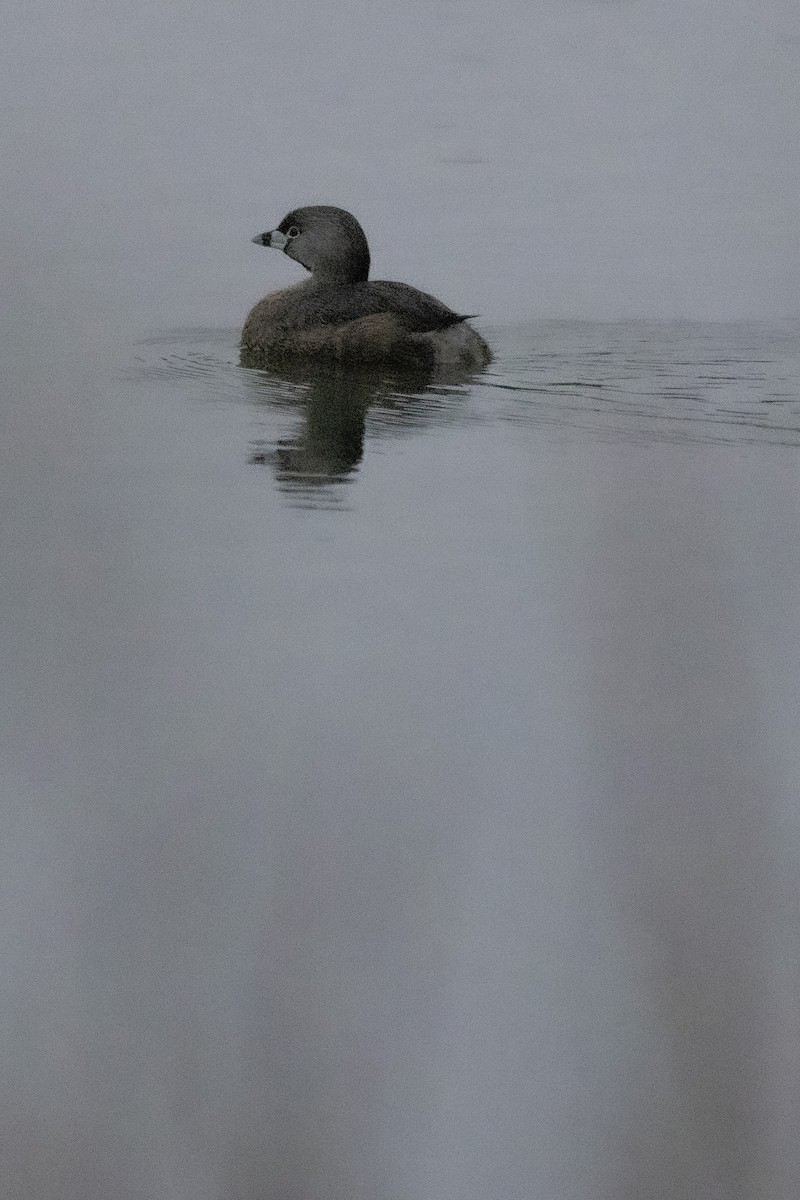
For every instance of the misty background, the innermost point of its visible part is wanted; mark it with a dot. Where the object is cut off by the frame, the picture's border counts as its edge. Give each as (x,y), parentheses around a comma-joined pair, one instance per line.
(601,160)
(414,815)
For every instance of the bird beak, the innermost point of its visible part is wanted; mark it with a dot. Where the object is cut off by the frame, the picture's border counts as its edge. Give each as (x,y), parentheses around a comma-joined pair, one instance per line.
(275,239)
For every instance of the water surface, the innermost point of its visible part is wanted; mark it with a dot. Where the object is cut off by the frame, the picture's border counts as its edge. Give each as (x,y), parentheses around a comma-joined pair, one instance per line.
(401,775)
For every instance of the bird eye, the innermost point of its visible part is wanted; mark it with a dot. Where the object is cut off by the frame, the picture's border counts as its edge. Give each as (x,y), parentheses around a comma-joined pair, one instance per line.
(292,231)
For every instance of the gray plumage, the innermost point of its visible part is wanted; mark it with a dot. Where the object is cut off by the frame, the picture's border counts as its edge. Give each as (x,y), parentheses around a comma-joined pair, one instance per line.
(341,314)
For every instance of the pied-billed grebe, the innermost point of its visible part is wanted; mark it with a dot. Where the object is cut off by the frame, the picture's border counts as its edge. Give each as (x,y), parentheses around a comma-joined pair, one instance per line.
(341,315)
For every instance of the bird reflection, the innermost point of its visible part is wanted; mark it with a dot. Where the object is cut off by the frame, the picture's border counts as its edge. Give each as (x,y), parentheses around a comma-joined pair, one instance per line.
(328,446)
(330,443)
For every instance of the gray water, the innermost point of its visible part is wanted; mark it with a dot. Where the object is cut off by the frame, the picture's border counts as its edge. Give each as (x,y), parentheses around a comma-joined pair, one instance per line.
(400,789)
(399,778)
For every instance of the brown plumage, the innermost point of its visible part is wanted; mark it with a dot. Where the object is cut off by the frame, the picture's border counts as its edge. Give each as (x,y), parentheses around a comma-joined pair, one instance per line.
(341,315)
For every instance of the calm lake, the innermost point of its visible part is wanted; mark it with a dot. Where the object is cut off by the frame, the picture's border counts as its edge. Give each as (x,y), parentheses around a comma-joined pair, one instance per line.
(401,777)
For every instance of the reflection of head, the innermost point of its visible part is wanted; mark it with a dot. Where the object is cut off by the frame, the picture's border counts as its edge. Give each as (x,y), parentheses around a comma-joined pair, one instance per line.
(331,443)
(328,445)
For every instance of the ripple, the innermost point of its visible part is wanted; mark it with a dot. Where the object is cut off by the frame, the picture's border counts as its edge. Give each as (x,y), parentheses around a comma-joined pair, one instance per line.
(704,383)
(674,382)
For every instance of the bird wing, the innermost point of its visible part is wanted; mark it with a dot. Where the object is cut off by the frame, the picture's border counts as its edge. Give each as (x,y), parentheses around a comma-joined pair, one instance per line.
(417,311)
(309,305)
